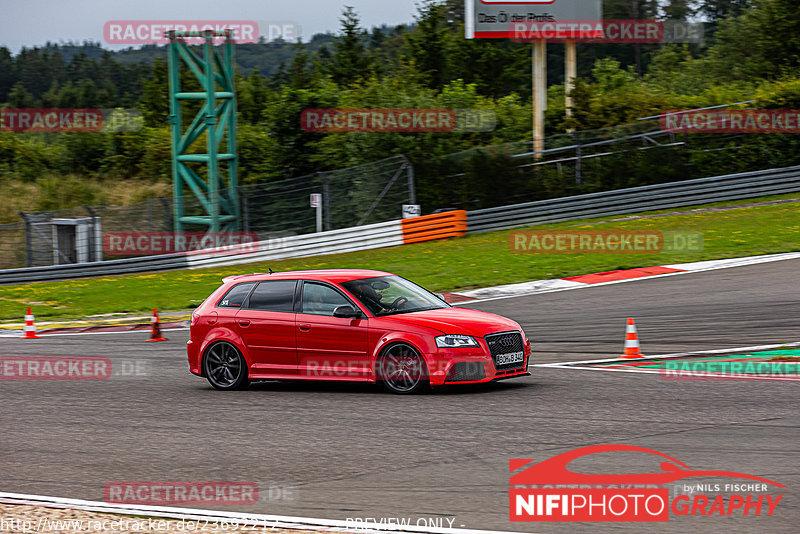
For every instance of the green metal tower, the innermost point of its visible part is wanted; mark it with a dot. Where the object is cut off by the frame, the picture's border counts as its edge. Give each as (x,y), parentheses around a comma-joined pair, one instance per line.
(218,198)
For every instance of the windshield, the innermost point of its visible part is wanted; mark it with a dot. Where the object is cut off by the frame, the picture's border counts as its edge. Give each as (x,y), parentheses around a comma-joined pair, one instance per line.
(386,295)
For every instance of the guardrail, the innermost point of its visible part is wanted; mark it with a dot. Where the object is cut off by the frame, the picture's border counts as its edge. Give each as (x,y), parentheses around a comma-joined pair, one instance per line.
(636,199)
(441,226)
(333,242)
(388,234)
(380,235)
(99,268)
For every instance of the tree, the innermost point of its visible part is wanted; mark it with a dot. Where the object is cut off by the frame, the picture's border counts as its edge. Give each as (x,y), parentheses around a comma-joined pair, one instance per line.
(427,44)
(7,74)
(349,62)
(88,94)
(252,96)
(33,71)
(678,9)
(69,96)
(294,147)
(155,100)
(716,10)
(299,73)
(764,42)
(19,97)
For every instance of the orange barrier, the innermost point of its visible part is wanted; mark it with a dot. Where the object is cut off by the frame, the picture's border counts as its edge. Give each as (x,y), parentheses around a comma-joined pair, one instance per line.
(432,227)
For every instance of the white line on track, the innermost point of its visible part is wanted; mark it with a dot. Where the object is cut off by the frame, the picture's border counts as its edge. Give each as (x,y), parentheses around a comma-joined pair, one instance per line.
(44,334)
(580,364)
(218,516)
(525,289)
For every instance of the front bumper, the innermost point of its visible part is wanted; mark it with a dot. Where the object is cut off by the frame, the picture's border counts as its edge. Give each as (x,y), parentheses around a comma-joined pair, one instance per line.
(472,366)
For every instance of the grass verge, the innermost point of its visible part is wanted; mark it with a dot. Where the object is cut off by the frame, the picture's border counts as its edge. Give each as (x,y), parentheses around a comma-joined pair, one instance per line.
(478,260)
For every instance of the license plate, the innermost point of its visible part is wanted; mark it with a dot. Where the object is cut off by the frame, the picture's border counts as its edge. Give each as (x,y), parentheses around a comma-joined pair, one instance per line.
(511,357)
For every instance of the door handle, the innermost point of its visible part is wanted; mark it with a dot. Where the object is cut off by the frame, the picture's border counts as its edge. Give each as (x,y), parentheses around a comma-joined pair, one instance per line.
(305,327)
(244,323)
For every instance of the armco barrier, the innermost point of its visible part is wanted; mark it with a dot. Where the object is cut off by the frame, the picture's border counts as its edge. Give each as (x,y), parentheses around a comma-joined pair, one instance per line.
(379,235)
(99,268)
(388,234)
(637,199)
(437,226)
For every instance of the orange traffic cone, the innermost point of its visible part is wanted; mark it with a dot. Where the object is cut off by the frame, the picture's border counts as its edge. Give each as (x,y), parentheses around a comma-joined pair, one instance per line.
(30,327)
(155,328)
(632,347)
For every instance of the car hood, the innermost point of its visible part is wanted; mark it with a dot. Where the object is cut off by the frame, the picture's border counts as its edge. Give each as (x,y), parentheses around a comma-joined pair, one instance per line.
(457,321)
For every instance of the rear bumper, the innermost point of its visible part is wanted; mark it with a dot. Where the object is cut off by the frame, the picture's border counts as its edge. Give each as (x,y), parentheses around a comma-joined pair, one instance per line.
(193,355)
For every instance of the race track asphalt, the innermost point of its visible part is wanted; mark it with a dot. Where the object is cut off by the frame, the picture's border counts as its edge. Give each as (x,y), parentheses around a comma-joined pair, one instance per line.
(340,451)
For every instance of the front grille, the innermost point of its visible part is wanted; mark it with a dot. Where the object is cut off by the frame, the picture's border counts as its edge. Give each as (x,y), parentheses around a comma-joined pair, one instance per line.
(466,372)
(503,347)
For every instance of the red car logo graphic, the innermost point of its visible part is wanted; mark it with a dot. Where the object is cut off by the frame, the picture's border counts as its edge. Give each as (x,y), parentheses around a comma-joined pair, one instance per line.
(554,470)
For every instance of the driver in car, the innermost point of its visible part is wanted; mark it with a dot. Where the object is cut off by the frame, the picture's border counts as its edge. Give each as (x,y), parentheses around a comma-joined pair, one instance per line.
(368,293)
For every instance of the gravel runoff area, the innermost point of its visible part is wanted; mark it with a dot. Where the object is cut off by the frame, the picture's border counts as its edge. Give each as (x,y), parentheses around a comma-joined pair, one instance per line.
(24,519)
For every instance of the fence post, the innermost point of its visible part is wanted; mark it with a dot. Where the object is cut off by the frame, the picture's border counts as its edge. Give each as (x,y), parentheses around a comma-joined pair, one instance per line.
(326,200)
(95,237)
(245,212)
(167,214)
(412,196)
(578,170)
(28,257)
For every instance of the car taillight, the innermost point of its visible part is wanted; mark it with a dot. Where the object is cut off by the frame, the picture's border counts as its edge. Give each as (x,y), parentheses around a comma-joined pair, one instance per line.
(194,319)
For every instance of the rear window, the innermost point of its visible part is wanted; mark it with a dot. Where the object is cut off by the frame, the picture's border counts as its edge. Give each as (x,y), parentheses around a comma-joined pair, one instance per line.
(277,296)
(235,296)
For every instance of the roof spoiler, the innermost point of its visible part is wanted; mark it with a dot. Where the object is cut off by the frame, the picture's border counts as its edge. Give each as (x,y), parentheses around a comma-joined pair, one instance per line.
(238,276)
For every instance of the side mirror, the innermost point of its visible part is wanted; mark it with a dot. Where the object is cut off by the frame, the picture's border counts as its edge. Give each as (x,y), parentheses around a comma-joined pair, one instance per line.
(440,297)
(346,312)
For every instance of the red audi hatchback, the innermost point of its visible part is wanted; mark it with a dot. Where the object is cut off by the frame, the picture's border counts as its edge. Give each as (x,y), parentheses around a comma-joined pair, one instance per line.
(349,325)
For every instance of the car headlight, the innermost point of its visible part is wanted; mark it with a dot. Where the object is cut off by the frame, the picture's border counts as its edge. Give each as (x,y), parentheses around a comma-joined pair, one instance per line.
(524,335)
(456,340)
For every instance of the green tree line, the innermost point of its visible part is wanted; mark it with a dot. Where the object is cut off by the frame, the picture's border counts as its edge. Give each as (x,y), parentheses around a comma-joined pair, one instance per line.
(750,53)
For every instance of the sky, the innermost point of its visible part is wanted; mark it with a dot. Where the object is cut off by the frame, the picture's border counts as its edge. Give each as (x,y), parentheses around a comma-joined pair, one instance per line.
(32,23)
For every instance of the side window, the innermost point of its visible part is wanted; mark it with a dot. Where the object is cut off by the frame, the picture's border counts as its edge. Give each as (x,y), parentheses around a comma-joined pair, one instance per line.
(277,296)
(319,299)
(235,296)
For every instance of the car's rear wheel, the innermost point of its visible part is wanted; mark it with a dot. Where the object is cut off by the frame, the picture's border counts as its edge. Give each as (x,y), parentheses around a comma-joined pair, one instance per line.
(225,367)
(402,370)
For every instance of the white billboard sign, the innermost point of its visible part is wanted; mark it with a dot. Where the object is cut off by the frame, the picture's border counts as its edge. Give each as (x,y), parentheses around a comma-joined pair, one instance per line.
(493,19)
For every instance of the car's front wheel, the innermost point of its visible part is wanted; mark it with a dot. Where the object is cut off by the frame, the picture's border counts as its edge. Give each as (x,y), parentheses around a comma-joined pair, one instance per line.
(402,370)
(225,367)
